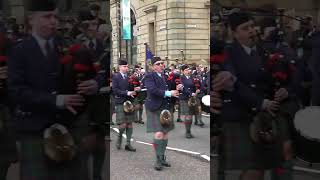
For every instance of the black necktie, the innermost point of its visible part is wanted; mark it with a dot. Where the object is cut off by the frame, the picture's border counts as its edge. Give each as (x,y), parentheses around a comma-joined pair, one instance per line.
(48,50)
(253,52)
(91,45)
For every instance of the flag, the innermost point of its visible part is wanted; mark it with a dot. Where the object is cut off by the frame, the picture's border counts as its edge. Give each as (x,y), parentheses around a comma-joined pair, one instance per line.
(149,55)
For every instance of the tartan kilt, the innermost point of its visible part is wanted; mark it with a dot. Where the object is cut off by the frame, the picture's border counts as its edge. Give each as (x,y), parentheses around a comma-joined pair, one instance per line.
(8,149)
(153,122)
(238,151)
(122,117)
(36,165)
(185,109)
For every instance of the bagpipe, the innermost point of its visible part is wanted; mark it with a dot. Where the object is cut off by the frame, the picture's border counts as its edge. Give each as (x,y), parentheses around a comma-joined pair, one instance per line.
(128,106)
(265,128)
(194,102)
(76,65)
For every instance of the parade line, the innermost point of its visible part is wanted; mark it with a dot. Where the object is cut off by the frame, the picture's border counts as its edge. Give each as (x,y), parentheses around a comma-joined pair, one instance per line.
(206,157)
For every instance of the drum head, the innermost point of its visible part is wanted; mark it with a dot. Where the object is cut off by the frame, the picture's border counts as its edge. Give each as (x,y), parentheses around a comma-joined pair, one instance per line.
(206,100)
(307,122)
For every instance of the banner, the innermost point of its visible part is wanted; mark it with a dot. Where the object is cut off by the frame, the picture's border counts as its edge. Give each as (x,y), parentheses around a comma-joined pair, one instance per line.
(126,19)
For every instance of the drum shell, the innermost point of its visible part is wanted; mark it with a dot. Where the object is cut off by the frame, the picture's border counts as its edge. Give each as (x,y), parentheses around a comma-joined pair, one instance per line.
(306,147)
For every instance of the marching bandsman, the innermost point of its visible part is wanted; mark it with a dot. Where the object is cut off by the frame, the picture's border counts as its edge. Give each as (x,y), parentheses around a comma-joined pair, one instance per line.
(34,87)
(240,151)
(157,102)
(199,81)
(124,115)
(8,148)
(95,45)
(189,91)
(141,95)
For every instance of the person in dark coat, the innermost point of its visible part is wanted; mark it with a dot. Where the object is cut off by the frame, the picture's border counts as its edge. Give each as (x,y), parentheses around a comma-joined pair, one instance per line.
(8,149)
(252,93)
(122,93)
(158,99)
(33,83)
(92,43)
(189,90)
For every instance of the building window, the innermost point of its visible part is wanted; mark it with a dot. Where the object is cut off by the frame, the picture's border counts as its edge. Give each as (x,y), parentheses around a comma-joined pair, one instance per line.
(152,37)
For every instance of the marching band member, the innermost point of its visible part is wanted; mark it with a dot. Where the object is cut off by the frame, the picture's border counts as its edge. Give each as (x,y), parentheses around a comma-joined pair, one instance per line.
(120,85)
(33,86)
(158,99)
(189,90)
(246,100)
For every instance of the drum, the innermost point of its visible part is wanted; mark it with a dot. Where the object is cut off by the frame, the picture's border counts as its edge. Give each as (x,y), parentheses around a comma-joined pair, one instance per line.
(307,134)
(205,103)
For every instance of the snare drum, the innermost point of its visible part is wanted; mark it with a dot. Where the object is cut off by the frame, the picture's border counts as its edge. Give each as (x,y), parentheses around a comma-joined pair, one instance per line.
(205,103)
(307,134)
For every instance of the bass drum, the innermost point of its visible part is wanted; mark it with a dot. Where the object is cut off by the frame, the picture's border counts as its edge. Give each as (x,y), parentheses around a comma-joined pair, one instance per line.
(205,103)
(307,134)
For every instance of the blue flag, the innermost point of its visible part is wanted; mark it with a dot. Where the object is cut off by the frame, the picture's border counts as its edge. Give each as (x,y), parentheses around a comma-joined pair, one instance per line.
(149,55)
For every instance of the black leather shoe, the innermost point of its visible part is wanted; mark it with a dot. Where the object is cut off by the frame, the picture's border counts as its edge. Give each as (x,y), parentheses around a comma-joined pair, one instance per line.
(179,120)
(118,145)
(128,147)
(157,165)
(164,162)
(141,122)
(189,135)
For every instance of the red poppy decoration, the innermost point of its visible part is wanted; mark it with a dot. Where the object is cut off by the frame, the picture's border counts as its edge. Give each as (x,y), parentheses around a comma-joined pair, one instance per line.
(66,59)
(178,81)
(274,58)
(3,58)
(74,48)
(81,68)
(280,76)
(170,77)
(135,83)
(217,59)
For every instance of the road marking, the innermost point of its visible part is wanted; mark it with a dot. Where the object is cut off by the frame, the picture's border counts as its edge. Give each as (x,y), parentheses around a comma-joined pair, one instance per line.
(117,130)
(206,115)
(169,148)
(205,157)
(306,169)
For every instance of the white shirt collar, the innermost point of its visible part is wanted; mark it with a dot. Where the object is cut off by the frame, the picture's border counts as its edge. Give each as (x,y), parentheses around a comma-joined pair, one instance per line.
(248,49)
(94,42)
(42,42)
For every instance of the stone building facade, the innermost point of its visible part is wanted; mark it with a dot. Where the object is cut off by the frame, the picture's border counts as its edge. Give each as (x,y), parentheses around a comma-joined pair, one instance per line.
(175,30)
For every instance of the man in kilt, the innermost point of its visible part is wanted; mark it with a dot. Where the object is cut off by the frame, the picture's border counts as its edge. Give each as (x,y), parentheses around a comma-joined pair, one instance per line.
(120,87)
(98,114)
(247,98)
(33,83)
(141,95)
(8,149)
(189,90)
(158,99)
